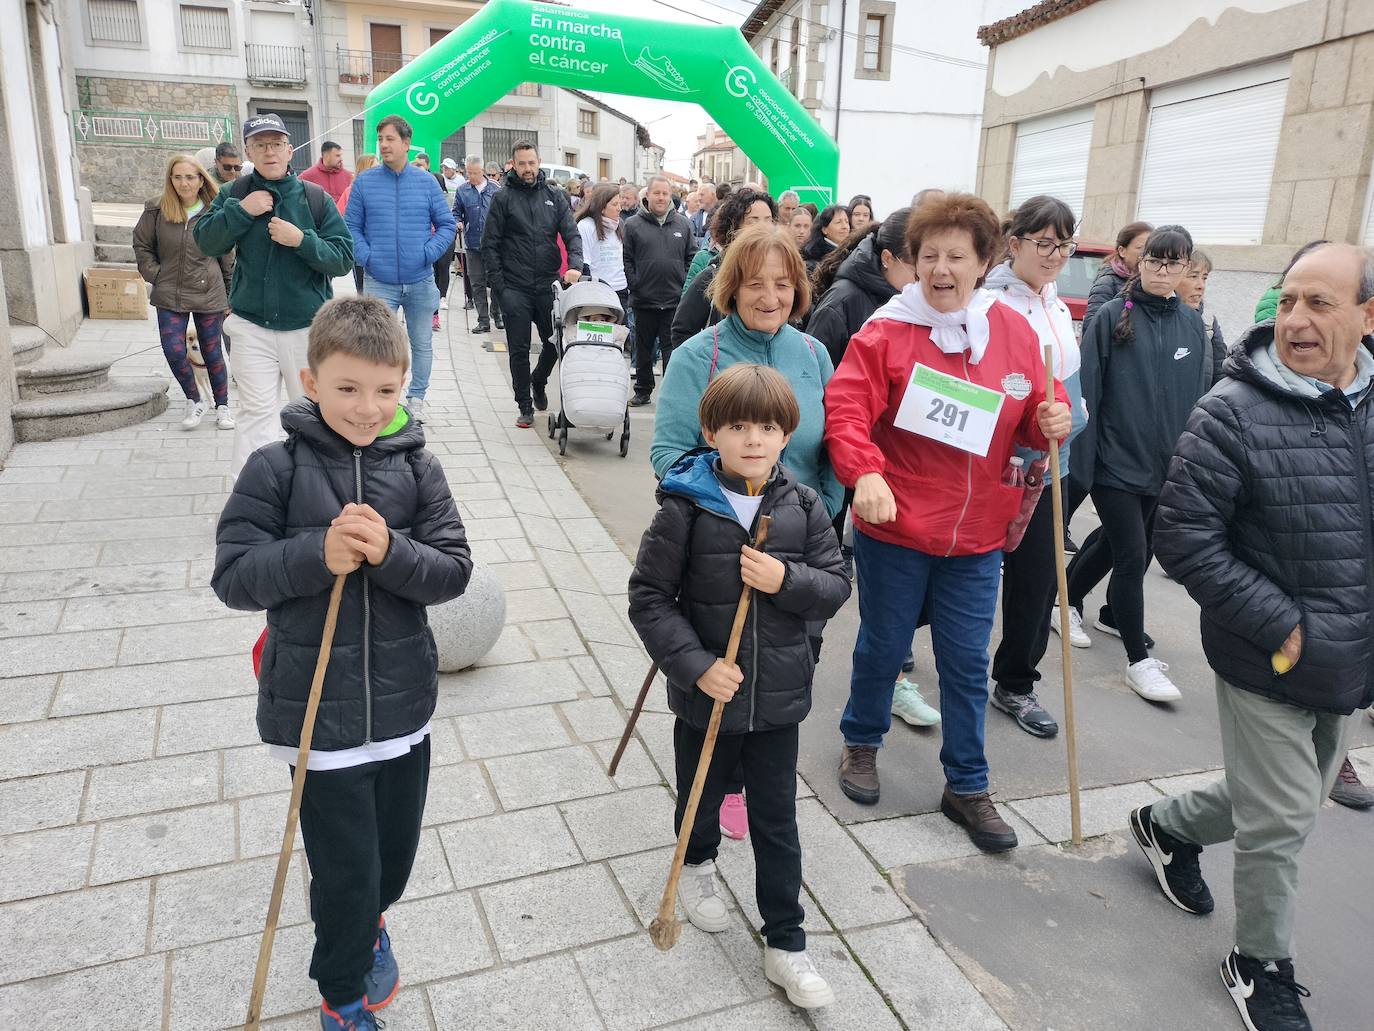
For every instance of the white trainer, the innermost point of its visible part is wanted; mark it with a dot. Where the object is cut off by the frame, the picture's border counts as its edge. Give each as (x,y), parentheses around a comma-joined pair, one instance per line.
(224,419)
(416,407)
(443,304)
(1078,637)
(195,411)
(796,975)
(701,898)
(1146,678)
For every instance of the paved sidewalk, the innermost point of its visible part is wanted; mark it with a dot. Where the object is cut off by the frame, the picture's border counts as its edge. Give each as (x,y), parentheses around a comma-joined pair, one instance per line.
(142,818)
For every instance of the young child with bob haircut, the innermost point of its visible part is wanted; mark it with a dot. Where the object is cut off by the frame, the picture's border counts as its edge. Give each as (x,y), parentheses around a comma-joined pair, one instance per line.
(351,491)
(694,561)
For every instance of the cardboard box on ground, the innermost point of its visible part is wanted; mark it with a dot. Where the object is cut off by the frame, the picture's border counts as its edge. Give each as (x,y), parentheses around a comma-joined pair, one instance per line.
(115,292)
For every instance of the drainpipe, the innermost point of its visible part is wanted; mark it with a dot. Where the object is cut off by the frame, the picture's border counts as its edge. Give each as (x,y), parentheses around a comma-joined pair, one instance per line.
(839,86)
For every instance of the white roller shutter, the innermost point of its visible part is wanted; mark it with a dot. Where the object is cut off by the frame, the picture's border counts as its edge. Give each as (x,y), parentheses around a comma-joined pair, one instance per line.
(1209,154)
(1052,157)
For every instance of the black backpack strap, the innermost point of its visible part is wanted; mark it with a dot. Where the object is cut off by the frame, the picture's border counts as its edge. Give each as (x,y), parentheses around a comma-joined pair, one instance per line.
(238,189)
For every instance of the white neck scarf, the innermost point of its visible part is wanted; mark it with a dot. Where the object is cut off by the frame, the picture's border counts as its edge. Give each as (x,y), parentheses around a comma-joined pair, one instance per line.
(952,332)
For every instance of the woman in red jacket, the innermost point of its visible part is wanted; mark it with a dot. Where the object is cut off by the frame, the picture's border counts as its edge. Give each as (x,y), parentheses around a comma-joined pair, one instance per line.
(922,417)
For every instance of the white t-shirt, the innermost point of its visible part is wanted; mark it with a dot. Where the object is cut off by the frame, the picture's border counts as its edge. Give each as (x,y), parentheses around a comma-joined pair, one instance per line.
(745,507)
(345,758)
(606,258)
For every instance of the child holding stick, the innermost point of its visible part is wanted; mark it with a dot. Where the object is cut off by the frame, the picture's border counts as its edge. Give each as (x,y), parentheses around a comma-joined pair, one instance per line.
(282,539)
(693,562)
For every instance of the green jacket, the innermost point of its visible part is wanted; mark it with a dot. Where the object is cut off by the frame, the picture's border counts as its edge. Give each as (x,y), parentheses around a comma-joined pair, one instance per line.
(277,287)
(700,260)
(1268,306)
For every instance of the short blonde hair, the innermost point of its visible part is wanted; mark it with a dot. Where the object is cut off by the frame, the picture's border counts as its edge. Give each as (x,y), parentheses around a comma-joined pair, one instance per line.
(745,257)
(172,208)
(361,326)
(364,162)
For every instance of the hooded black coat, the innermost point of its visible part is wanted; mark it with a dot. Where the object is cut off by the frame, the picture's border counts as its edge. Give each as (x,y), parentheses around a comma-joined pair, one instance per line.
(520,236)
(1267,519)
(686,586)
(858,291)
(382,680)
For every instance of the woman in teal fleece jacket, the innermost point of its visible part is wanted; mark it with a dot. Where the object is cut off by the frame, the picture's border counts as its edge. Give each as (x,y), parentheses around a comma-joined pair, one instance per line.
(760,286)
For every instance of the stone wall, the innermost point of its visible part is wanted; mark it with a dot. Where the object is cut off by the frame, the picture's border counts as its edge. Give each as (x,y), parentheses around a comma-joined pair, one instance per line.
(132,172)
(7,388)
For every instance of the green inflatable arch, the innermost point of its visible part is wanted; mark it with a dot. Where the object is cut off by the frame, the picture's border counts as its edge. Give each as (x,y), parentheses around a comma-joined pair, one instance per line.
(514,41)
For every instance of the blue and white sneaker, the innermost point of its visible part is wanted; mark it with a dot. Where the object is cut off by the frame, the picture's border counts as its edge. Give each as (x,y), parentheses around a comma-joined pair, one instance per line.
(353,1017)
(383,981)
(909,705)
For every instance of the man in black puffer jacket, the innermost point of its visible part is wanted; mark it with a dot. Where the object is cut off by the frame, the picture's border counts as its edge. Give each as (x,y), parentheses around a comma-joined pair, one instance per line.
(520,252)
(351,492)
(1268,520)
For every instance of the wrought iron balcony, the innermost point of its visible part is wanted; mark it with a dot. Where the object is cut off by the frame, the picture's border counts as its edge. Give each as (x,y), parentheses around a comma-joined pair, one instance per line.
(368,67)
(273,65)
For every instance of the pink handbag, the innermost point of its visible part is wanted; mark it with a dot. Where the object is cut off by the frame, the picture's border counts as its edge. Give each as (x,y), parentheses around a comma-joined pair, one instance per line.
(1035,485)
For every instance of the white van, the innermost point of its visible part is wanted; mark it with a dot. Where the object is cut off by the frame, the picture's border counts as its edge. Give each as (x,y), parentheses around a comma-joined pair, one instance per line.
(563,173)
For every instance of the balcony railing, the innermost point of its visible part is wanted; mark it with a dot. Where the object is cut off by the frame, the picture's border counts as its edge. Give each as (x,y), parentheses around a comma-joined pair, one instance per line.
(368,67)
(272,65)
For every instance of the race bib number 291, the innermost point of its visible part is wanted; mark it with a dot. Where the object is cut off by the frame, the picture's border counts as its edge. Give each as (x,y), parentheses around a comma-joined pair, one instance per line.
(950,410)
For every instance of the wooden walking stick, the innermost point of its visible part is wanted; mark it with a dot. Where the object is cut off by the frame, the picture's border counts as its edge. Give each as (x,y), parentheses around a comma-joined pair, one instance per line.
(293,811)
(634,718)
(1075,816)
(666,930)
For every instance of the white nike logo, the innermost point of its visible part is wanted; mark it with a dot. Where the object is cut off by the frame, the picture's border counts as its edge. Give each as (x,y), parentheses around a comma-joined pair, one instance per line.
(1182,352)
(1247,988)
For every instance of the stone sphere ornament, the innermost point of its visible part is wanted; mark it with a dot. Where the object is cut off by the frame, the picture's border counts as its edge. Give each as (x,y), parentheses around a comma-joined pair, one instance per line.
(467,627)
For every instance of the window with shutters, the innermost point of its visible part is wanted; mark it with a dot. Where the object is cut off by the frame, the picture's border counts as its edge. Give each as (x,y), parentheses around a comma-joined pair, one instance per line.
(114,22)
(205,27)
(873,56)
(570,158)
(1052,158)
(586,122)
(1209,153)
(603,169)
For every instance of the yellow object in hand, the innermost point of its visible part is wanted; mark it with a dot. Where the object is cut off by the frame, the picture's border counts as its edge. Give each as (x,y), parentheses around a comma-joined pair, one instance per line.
(1281,662)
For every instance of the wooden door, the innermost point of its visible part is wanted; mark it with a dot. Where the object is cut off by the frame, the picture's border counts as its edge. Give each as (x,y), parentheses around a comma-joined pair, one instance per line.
(386,51)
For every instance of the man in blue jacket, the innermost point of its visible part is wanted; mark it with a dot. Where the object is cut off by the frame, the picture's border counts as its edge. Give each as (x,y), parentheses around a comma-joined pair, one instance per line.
(401,226)
(470,206)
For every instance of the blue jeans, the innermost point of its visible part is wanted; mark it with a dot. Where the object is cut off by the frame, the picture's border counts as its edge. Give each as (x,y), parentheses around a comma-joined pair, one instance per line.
(960,593)
(419,300)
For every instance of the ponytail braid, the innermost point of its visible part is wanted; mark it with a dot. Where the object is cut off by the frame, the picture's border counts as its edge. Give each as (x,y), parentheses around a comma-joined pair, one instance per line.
(1124,330)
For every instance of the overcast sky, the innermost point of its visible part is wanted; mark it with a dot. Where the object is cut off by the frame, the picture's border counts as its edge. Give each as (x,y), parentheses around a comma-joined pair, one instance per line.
(672,125)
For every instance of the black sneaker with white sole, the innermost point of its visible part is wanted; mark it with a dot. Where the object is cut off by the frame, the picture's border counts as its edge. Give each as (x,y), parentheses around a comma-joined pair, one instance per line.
(1107,624)
(1174,862)
(1026,710)
(1267,994)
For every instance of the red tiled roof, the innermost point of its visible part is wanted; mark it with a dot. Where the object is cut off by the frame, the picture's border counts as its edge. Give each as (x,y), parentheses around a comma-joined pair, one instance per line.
(1029,20)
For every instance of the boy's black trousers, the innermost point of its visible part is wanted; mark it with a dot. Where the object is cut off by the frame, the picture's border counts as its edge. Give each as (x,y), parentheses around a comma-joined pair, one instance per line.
(361,827)
(769,761)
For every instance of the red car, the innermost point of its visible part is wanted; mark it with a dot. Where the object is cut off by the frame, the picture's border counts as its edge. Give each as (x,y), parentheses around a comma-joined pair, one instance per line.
(1076,278)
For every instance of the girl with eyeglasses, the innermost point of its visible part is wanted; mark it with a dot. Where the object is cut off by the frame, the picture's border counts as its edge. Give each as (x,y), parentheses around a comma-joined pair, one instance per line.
(1039,241)
(1146,361)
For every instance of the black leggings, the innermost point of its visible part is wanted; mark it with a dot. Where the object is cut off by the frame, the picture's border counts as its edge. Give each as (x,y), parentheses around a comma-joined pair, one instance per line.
(1029,585)
(1124,546)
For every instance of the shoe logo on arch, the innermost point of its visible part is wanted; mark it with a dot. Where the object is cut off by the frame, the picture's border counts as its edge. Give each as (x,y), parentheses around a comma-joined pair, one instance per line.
(1181,353)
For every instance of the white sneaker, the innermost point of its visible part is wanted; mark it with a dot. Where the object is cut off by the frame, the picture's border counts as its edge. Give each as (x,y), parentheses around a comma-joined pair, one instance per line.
(443,304)
(1146,678)
(224,420)
(416,407)
(701,899)
(908,704)
(1078,637)
(195,411)
(796,975)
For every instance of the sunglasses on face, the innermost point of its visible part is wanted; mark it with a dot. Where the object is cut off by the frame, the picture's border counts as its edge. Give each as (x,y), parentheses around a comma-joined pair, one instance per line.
(231,168)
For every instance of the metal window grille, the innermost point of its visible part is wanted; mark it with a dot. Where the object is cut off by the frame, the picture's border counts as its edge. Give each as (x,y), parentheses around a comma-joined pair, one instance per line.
(586,122)
(497,143)
(206,28)
(527,89)
(123,128)
(358,148)
(114,21)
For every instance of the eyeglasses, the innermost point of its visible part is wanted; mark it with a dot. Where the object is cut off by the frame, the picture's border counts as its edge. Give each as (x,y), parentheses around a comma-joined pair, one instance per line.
(270,145)
(1045,248)
(231,168)
(1172,267)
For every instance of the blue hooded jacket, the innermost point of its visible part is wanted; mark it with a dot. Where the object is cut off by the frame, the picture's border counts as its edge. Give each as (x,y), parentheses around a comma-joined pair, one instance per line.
(471,205)
(401,223)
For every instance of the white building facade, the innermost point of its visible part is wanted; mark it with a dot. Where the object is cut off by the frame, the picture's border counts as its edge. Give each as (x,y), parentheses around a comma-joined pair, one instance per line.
(899,85)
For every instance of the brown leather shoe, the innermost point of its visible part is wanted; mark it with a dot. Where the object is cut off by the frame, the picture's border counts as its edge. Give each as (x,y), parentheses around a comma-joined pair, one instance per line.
(859,773)
(979,817)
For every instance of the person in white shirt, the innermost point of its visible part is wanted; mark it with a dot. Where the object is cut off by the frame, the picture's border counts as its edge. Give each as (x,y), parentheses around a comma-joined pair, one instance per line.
(598,223)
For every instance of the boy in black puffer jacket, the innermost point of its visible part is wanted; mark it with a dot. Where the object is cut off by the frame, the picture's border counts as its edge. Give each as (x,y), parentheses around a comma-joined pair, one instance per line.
(351,491)
(693,562)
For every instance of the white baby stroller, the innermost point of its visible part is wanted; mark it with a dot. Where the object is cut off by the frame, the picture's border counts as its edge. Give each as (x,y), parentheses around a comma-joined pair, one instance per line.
(593,377)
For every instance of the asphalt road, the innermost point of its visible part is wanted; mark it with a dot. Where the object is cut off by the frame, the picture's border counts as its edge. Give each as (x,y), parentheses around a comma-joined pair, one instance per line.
(1155,967)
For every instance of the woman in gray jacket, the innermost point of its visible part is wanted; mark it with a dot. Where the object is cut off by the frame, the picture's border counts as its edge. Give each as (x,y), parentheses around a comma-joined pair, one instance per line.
(186,284)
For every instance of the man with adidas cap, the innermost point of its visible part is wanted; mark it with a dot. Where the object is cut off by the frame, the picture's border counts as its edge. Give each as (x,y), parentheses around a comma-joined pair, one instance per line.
(1265,519)
(291,243)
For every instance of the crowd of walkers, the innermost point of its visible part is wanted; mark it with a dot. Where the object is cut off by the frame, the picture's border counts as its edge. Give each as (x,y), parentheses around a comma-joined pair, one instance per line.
(875,384)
